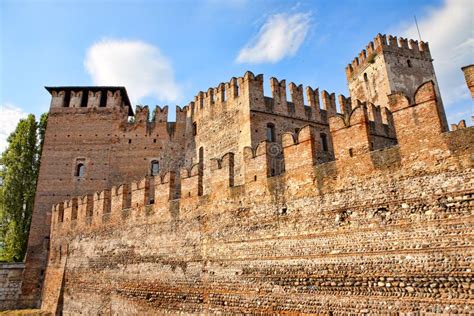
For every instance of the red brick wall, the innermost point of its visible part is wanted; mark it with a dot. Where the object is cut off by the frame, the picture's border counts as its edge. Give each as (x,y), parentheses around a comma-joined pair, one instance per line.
(381,230)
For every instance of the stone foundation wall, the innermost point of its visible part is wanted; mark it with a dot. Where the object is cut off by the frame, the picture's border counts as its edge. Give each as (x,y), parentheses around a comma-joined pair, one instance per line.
(10,284)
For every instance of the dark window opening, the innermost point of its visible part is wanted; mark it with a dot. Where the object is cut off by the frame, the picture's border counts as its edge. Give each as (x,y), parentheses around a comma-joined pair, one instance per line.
(84,99)
(195,129)
(129,141)
(47,243)
(80,170)
(365,77)
(409,63)
(154,141)
(254,178)
(103,99)
(271,132)
(67,98)
(155,168)
(324,142)
(351,153)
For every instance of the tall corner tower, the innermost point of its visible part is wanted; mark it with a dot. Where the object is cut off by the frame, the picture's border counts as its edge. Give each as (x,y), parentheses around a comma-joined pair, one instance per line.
(75,161)
(393,65)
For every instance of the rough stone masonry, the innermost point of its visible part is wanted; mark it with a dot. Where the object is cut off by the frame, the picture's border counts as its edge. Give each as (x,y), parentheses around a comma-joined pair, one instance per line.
(258,205)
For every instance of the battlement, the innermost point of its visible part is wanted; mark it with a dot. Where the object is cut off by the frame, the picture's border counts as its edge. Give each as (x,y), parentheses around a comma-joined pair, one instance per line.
(156,122)
(353,149)
(383,44)
(244,92)
(376,120)
(217,98)
(89,97)
(310,180)
(295,106)
(248,91)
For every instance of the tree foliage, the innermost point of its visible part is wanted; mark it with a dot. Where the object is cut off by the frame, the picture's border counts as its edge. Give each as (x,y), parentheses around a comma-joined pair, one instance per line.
(19,172)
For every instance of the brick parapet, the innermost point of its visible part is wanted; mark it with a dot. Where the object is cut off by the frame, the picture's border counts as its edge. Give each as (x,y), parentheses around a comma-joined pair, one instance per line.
(382,45)
(351,134)
(388,246)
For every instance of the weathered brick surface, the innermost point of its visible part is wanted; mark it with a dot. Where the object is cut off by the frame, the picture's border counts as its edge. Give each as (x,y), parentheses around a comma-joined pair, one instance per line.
(380,231)
(391,64)
(366,210)
(469,76)
(10,284)
(96,133)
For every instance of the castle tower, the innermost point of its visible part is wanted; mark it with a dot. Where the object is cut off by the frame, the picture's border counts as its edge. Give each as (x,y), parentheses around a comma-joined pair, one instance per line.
(74,161)
(392,65)
(90,146)
(469,76)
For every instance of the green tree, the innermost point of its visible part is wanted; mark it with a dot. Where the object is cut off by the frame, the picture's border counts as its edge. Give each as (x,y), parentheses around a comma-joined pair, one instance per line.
(20,166)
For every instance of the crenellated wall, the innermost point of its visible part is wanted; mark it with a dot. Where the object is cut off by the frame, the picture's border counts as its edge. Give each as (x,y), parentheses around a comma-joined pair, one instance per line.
(181,203)
(391,64)
(91,127)
(373,230)
(401,46)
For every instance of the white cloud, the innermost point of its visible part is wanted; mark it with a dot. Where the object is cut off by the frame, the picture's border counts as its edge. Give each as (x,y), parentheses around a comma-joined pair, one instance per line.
(280,36)
(10,115)
(137,65)
(449,31)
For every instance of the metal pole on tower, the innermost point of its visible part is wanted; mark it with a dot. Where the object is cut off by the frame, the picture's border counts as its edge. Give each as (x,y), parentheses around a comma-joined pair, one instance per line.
(416,23)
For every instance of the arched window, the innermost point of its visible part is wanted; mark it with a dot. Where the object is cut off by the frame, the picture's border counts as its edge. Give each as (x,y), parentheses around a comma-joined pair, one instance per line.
(324,142)
(154,168)
(80,170)
(271,132)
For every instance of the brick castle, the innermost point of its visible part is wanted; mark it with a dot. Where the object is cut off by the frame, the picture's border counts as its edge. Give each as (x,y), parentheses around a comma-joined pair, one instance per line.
(255,204)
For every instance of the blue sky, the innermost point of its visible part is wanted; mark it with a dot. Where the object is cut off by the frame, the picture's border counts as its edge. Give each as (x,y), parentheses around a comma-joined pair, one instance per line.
(164,52)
